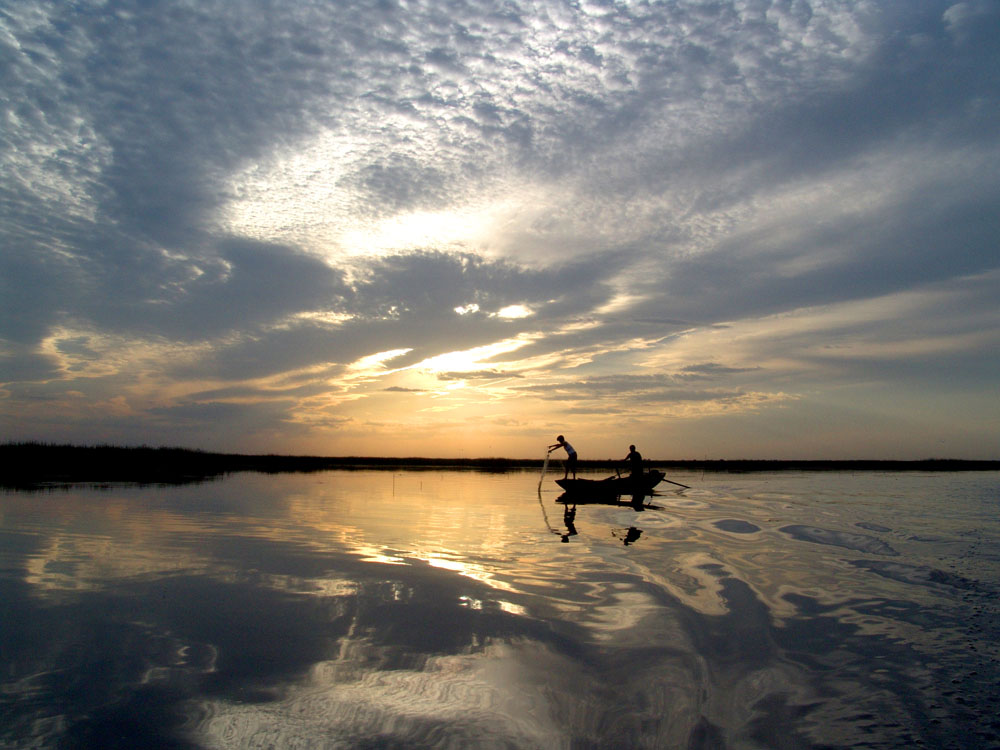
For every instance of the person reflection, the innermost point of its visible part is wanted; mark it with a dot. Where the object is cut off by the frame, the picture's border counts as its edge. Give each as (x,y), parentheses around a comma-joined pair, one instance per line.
(638,503)
(569,517)
(628,536)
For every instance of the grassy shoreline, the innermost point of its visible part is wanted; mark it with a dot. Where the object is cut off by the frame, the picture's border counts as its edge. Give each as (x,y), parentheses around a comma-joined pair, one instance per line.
(26,465)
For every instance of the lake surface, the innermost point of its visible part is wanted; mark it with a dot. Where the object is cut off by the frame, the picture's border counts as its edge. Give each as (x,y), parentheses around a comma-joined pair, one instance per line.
(388,609)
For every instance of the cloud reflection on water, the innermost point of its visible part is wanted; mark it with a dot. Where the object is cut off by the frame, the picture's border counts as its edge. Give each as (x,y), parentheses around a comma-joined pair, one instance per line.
(435,608)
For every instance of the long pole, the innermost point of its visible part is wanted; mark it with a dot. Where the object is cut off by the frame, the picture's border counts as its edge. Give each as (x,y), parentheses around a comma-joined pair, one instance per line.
(677,483)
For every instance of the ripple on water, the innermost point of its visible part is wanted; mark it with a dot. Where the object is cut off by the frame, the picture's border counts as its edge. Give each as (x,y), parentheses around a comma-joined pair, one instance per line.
(873,526)
(736,526)
(858,542)
(916,574)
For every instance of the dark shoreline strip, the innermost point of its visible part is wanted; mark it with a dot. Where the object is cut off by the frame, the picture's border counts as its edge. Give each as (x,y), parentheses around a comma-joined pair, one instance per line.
(25,465)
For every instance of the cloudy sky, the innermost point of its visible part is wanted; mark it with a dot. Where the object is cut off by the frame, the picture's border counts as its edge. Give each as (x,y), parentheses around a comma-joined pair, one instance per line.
(724,229)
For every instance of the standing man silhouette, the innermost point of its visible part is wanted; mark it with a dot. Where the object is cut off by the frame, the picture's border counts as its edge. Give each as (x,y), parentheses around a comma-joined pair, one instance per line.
(570,455)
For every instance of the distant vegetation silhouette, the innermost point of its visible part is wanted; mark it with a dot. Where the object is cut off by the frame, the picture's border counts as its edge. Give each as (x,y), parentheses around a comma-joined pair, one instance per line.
(34,464)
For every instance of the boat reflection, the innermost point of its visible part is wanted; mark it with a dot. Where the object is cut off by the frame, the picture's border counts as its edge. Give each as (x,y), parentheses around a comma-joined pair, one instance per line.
(570,501)
(636,502)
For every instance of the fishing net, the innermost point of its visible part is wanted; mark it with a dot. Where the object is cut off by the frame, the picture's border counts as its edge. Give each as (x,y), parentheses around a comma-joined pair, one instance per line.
(545,466)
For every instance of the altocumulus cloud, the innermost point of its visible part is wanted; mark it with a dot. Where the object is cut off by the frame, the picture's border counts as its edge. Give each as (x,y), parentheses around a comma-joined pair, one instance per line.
(309,225)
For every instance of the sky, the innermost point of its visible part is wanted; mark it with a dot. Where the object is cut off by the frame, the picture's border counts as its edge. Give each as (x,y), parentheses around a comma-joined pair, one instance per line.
(726,229)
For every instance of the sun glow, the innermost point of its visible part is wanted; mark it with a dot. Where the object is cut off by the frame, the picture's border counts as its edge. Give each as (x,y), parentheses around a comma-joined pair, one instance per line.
(471,359)
(374,362)
(438,229)
(513,312)
(308,195)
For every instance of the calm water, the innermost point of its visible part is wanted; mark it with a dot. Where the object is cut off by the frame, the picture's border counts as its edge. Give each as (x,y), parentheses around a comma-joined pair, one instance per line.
(459,609)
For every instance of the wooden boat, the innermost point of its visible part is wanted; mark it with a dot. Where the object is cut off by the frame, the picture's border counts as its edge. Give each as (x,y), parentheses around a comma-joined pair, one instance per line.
(613,486)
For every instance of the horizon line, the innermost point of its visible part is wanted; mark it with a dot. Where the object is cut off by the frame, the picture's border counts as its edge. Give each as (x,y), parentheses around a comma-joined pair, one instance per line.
(43,445)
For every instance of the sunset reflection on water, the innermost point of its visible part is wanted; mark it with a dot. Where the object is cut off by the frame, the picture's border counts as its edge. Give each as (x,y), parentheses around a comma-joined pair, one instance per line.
(454,608)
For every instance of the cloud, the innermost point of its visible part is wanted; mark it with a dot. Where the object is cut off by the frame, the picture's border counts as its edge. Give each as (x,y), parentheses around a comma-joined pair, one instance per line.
(235,203)
(478,375)
(711,369)
(405,301)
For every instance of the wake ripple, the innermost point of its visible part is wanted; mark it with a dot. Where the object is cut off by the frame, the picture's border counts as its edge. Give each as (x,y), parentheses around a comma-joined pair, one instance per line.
(858,542)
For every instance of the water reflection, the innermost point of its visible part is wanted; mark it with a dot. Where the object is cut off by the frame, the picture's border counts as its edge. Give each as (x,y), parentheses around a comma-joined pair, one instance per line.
(628,536)
(569,501)
(569,520)
(405,609)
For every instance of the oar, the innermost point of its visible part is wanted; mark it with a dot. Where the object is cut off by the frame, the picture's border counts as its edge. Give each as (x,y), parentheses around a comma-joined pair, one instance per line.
(664,480)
